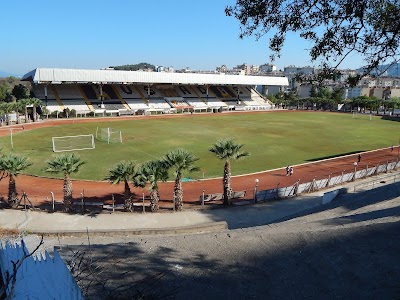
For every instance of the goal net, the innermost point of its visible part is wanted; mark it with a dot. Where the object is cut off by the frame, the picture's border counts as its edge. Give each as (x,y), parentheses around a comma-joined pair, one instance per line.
(363,116)
(72,143)
(109,135)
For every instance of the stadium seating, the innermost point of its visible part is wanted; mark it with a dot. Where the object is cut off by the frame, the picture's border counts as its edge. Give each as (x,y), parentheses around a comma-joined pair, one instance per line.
(136,104)
(158,103)
(52,105)
(68,91)
(38,91)
(78,104)
(126,99)
(128,92)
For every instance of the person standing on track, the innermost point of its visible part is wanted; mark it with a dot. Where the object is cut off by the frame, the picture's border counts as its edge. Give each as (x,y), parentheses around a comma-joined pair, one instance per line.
(359,157)
(291,170)
(287,170)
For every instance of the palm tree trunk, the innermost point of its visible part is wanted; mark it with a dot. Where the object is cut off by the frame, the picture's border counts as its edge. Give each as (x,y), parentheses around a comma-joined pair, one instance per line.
(67,194)
(127,191)
(34,113)
(12,193)
(227,183)
(154,199)
(178,193)
(26,114)
(127,198)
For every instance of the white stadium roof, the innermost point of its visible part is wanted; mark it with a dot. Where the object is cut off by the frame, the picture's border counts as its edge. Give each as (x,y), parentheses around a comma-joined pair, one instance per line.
(57,76)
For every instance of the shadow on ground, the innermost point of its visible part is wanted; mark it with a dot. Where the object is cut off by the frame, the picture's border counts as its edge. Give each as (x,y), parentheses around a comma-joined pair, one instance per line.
(347,263)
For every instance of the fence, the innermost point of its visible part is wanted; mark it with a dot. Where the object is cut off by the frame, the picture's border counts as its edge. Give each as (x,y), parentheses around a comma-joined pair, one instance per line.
(39,276)
(374,182)
(330,181)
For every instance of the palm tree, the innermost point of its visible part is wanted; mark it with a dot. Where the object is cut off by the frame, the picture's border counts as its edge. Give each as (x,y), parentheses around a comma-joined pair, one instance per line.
(152,172)
(123,172)
(228,150)
(16,107)
(181,160)
(12,165)
(66,163)
(35,102)
(24,103)
(6,108)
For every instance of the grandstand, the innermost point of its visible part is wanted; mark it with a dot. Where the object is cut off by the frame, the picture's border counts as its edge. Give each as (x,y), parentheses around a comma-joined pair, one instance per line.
(126,92)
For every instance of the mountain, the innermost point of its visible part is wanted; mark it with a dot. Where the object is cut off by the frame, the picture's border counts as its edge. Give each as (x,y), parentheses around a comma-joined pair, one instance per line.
(385,70)
(394,70)
(136,67)
(4,74)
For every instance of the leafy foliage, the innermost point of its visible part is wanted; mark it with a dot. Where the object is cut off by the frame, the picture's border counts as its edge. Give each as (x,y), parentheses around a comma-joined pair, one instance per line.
(20,91)
(151,172)
(12,165)
(135,67)
(66,163)
(180,160)
(335,29)
(226,150)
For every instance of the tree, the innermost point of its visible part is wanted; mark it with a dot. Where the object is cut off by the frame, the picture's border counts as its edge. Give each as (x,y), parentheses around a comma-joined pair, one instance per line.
(334,28)
(66,163)
(20,91)
(24,103)
(337,94)
(123,172)
(12,165)
(18,107)
(228,150)
(135,67)
(180,160)
(6,108)
(151,172)
(5,90)
(35,102)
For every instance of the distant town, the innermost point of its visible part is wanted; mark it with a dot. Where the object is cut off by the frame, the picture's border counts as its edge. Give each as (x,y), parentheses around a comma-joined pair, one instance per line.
(382,84)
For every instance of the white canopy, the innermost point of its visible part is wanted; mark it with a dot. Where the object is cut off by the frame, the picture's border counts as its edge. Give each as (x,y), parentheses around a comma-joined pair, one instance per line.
(57,76)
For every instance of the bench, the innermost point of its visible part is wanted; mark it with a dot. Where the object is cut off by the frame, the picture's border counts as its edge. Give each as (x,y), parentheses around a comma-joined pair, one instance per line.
(212,197)
(220,196)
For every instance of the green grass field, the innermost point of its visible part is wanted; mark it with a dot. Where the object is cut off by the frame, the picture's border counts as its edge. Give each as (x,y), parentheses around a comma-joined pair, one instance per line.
(273,139)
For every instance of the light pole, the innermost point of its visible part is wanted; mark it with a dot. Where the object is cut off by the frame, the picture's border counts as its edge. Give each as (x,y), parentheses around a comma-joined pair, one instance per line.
(255,190)
(355,170)
(45,93)
(101,97)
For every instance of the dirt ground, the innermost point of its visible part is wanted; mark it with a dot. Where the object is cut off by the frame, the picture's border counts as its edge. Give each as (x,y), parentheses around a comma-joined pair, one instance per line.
(349,249)
(38,189)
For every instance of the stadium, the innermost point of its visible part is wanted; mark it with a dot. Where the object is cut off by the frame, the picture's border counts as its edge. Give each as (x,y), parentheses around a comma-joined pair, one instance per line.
(151,113)
(114,92)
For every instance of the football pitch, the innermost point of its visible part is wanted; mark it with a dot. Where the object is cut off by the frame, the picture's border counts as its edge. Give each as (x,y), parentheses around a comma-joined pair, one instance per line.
(274,140)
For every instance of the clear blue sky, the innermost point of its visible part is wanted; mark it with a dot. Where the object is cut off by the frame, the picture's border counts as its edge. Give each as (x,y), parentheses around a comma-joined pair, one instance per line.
(95,34)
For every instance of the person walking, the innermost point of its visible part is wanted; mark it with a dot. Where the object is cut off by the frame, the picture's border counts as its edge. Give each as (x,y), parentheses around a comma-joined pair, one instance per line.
(287,170)
(391,148)
(359,157)
(291,171)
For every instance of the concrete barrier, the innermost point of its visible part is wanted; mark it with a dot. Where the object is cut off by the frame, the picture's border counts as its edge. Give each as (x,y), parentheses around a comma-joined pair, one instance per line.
(329,196)
(201,228)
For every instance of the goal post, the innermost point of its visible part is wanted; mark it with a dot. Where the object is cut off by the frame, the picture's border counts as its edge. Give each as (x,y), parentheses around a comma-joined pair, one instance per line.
(73,143)
(109,135)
